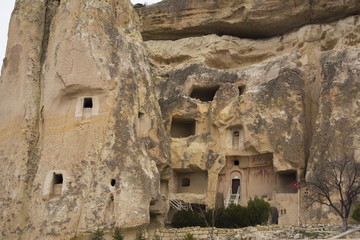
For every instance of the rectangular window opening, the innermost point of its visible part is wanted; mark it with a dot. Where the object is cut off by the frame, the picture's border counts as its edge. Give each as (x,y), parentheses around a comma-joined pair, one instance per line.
(88,103)
(57,185)
(58,178)
(285,180)
(182,127)
(204,94)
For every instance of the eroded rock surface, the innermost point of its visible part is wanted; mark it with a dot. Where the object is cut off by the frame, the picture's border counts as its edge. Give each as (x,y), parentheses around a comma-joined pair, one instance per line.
(81,129)
(99,129)
(175,19)
(279,95)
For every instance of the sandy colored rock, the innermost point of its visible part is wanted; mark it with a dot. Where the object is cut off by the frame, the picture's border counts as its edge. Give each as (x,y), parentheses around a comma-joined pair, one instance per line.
(174,19)
(101,129)
(272,91)
(81,120)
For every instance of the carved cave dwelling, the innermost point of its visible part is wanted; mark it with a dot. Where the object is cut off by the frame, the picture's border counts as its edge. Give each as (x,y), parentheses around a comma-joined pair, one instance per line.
(115,116)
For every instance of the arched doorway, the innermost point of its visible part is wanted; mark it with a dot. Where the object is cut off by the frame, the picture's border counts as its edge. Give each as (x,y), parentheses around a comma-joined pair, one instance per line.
(235,184)
(235,181)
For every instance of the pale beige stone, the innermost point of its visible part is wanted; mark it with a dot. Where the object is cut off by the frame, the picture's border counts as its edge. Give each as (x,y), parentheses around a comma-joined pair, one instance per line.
(99,129)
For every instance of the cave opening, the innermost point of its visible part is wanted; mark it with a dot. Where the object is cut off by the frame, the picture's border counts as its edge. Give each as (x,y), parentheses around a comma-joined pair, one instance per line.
(204,93)
(182,127)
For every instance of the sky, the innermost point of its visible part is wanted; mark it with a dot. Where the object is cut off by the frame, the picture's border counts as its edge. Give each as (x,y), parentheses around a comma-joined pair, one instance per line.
(5,11)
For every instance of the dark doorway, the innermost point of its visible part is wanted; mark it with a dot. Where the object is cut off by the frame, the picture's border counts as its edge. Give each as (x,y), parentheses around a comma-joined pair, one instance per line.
(274,216)
(235,185)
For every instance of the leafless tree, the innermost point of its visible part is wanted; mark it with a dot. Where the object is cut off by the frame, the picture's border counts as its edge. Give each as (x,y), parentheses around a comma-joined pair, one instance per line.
(335,183)
(210,223)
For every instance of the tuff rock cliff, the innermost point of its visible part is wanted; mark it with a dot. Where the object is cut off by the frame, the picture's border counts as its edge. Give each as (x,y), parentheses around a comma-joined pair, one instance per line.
(99,128)
(75,80)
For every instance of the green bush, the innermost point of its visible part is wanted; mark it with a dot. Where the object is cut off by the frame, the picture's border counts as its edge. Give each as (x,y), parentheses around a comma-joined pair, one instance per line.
(140,236)
(98,235)
(118,234)
(156,237)
(220,218)
(258,211)
(189,236)
(186,218)
(235,216)
(356,213)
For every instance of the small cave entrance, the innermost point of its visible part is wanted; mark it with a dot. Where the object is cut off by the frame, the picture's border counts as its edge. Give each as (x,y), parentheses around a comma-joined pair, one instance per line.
(285,180)
(112,182)
(204,93)
(182,127)
(241,90)
(57,185)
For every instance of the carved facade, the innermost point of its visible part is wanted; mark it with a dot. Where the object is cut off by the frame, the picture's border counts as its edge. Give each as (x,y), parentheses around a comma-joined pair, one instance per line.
(108,115)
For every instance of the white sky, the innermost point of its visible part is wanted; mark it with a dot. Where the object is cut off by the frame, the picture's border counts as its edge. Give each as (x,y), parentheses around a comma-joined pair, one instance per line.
(5,11)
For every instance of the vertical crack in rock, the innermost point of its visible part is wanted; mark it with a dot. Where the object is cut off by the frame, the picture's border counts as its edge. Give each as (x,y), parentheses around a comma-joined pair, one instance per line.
(51,7)
(312,90)
(32,120)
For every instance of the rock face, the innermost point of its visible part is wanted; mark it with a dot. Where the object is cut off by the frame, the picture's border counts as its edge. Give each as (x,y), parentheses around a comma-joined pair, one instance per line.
(279,96)
(80,125)
(99,129)
(175,19)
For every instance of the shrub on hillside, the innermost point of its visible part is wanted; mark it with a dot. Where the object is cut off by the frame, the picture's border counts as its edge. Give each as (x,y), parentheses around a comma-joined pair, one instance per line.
(118,234)
(258,211)
(140,235)
(186,218)
(235,216)
(356,213)
(189,236)
(98,235)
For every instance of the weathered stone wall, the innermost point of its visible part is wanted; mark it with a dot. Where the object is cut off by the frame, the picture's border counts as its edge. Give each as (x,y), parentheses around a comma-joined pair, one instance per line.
(258,232)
